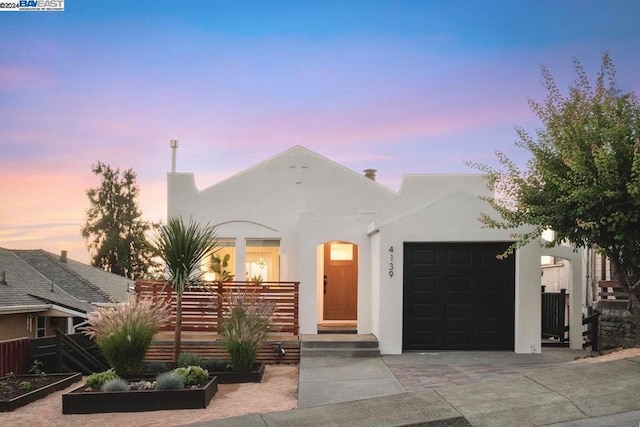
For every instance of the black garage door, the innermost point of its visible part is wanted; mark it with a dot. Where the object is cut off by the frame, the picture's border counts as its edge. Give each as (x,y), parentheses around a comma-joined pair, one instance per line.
(458,296)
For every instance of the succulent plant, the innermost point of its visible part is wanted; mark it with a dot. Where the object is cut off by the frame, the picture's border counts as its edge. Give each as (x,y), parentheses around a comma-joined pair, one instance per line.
(98,379)
(141,385)
(192,375)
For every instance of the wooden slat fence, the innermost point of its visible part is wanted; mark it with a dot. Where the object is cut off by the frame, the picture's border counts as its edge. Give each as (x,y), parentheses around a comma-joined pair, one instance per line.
(163,352)
(14,356)
(612,289)
(203,311)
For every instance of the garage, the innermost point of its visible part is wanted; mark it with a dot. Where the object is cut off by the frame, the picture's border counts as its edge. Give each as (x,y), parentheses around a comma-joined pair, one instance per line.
(458,296)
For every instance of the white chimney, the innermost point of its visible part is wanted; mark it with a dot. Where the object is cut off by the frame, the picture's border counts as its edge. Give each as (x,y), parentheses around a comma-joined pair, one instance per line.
(174,146)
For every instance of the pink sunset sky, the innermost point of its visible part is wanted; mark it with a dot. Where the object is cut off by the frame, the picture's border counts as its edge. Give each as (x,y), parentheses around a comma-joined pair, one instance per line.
(399,86)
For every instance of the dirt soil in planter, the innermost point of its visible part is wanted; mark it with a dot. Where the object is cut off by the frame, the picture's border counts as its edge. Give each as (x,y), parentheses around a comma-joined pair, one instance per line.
(10,388)
(278,391)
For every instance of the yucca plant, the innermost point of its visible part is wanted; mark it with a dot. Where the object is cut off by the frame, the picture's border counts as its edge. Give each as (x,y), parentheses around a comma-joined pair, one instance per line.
(183,247)
(245,328)
(124,331)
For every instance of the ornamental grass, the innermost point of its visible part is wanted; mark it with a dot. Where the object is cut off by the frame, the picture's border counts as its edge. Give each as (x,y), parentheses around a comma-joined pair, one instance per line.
(124,331)
(248,318)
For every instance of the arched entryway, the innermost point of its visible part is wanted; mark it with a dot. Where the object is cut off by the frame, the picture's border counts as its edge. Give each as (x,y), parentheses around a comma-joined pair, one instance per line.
(338,296)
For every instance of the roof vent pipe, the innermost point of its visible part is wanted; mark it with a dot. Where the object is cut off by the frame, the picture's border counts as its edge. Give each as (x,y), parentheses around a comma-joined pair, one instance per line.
(63,256)
(370,173)
(4,278)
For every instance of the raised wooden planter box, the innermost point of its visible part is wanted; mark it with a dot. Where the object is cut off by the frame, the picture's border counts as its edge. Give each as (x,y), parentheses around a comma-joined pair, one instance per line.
(63,381)
(230,377)
(90,402)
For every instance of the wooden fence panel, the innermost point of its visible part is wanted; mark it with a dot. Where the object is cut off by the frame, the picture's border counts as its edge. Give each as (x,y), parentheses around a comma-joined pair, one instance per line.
(14,356)
(553,315)
(203,308)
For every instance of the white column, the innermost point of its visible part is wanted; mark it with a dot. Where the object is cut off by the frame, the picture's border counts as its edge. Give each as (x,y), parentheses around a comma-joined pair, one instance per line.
(241,257)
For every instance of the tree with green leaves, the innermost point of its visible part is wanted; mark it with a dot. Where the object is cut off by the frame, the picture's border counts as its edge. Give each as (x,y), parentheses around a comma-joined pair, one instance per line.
(583,179)
(184,248)
(115,232)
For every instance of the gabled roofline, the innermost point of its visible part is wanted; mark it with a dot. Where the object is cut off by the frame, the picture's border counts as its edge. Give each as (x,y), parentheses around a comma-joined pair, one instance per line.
(58,304)
(287,152)
(54,258)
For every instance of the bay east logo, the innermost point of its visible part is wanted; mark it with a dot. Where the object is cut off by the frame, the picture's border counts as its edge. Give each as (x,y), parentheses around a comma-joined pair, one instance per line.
(31,5)
(41,4)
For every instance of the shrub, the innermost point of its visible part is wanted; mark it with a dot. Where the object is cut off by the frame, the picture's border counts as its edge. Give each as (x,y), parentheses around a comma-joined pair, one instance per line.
(25,385)
(192,375)
(169,381)
(189,359)
(124,331)
(157,367)
(245,329)
(98,379)
(116,384)
(213,365)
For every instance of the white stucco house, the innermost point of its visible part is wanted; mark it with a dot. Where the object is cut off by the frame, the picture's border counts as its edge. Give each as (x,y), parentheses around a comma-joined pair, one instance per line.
(414,267)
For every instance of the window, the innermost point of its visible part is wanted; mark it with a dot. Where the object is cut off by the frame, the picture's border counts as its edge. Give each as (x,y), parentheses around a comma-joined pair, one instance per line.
(41,329)
(341,252)
(262,260)
(221,265)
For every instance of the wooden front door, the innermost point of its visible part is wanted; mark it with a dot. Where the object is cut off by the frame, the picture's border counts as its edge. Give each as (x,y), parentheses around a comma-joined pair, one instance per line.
(340,281)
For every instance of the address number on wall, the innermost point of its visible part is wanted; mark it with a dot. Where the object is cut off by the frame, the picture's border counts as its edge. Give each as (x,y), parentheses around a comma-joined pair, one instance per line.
(390,261)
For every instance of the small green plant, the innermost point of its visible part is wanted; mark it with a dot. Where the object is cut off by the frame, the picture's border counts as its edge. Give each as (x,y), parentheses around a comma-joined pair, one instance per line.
(115,384)
(219,266)
(142,385)
(24,385)
(36,368)
(124,331)
(214,365)
(169,381)
(98,379)
(192,375)
(189,359)
(247,321)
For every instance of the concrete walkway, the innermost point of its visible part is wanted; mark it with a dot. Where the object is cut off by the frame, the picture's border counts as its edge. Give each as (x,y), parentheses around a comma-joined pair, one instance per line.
(479,389)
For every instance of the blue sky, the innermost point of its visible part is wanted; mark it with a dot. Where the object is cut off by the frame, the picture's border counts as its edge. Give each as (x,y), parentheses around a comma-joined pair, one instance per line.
(400,86)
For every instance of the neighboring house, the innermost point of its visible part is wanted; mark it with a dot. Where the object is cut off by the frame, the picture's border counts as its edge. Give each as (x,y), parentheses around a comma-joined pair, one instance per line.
(414,267)
(40,292)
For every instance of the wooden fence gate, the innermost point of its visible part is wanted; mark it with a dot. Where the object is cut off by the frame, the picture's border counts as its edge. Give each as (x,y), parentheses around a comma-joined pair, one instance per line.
(554,325)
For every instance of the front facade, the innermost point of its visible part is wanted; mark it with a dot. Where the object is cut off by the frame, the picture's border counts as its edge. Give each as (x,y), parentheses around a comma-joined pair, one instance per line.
(413,267)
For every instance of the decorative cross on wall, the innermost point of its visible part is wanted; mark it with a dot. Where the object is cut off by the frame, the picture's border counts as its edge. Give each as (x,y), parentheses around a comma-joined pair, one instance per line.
(297,162)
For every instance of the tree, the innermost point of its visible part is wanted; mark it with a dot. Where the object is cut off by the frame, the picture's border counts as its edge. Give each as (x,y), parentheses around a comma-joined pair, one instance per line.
(114,230)
(583,179)
(184,248)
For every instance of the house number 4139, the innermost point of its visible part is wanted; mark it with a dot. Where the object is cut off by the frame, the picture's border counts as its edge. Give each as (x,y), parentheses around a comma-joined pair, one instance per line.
(390,261)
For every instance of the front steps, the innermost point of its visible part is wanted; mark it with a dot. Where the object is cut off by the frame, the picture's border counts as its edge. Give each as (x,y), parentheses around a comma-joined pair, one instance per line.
(339,345)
